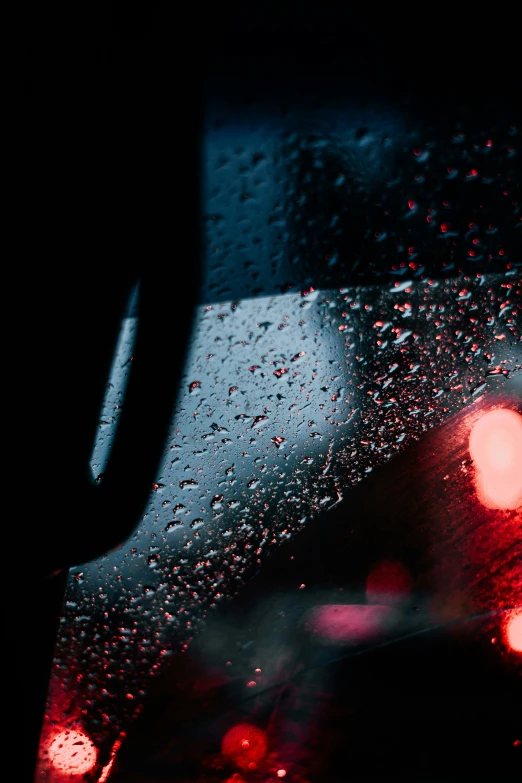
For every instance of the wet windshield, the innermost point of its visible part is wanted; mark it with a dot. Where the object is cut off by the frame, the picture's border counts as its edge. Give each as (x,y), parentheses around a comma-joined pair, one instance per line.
(324,576)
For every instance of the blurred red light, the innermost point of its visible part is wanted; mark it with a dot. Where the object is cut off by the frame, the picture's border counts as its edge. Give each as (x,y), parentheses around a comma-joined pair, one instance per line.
(514,631)
(245,744)
(388,583)
(72,752)
(350,623)
(495,445)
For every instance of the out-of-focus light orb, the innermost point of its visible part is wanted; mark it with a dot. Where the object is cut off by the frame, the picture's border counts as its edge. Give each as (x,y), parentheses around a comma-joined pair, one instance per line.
(350,623)
(72,752)
(245,744)
(388,582)
(495,446)
(513,631)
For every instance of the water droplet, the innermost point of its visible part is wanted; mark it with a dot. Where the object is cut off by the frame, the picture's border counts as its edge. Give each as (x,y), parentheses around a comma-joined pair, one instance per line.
(188,484)
(175,523)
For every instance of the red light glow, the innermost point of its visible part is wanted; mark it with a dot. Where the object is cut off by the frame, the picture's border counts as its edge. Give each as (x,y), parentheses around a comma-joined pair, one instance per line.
(72,752)
(245,744)
(107,768)
(388,583)
(513,631)
(350,623)
(495,446)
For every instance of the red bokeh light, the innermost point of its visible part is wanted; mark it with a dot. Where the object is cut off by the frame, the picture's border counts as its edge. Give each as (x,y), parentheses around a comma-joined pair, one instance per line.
(513,631)
(245,744)
(72,752)
(389,582)
(495,446)
(350,623)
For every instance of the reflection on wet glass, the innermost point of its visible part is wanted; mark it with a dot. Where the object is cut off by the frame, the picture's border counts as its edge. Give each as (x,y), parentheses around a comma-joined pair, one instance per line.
(116,386)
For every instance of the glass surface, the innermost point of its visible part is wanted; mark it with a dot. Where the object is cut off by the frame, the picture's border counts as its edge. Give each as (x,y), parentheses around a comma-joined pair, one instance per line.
(318,534)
